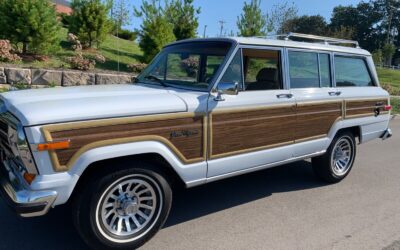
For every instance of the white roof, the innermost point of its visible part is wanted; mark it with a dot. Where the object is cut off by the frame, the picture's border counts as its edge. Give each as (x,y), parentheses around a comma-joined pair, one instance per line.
(283,43)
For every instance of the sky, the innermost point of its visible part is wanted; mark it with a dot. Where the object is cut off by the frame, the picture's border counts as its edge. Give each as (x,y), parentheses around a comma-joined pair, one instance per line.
(212,11)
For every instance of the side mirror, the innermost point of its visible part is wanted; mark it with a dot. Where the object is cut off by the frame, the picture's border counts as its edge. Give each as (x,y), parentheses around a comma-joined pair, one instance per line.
(226,88)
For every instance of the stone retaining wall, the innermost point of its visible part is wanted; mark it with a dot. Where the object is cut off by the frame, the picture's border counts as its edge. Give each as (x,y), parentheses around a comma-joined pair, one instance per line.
(47,77)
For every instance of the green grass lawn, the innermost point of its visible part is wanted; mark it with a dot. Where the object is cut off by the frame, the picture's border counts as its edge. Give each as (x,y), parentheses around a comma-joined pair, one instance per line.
(390,80)
(395,102)
(113,49)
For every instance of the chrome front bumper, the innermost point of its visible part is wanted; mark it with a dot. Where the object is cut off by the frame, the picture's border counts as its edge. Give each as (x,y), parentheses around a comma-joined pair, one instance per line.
(25,202)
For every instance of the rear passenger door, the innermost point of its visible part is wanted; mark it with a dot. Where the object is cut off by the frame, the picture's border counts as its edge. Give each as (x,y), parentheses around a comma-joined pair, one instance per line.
(319,103)
(255,127)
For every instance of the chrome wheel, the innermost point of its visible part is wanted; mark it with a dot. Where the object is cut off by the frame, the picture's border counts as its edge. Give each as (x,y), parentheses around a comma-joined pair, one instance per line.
(342,156)
(128,208)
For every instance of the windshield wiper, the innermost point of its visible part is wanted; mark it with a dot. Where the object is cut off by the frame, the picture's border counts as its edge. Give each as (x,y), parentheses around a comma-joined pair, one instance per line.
(155,79)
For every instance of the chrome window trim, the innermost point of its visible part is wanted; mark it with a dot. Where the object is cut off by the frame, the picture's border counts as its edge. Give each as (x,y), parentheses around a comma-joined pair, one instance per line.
(256,47)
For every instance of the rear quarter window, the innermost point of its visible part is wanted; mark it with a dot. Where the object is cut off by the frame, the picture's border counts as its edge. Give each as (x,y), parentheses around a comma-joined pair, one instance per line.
(352,72)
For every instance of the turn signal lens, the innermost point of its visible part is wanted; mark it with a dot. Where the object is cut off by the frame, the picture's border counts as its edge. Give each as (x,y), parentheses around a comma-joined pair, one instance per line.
(29,177)
(387,107)
(53,145)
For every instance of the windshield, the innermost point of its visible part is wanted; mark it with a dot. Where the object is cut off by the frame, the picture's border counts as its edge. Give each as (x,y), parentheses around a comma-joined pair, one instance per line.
(187,65)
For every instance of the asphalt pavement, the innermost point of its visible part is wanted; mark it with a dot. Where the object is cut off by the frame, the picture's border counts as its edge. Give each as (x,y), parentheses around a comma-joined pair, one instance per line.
(280,208)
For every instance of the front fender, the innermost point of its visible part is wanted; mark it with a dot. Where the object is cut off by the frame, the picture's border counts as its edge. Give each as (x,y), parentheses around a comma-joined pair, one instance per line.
(191,174)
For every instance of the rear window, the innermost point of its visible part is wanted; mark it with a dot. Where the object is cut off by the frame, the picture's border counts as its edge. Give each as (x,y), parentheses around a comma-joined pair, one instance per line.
(352,72)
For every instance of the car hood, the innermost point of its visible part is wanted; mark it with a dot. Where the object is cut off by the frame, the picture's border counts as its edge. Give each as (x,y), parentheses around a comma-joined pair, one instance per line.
(55,105)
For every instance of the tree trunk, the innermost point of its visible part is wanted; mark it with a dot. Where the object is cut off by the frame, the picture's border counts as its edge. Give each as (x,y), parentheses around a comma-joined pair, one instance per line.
(24,48)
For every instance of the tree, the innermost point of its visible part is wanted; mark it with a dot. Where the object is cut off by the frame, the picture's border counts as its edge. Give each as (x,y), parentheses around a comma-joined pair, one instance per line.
(362,19)
(183,15)
(30,23)
(315,25)
(90,21)
(155,31)
(120,14)
(388,52)
(252,22)
(279,15)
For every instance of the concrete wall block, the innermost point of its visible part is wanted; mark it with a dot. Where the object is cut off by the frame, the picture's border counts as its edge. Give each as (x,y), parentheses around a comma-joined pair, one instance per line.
(46,77)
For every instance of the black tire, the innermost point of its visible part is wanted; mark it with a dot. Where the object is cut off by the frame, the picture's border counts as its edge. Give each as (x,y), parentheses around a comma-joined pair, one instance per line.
(324,167)
(90,199)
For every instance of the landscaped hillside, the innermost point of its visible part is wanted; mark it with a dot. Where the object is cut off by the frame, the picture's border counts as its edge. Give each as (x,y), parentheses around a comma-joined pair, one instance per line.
(128,53)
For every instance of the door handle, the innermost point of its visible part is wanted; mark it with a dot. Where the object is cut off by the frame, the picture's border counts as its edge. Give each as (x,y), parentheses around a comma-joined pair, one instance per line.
(288,96)
(335,93)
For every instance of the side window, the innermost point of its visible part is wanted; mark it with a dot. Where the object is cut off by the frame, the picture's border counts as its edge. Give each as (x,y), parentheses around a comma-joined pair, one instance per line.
(309,70)
(234,71)
(180,66)
(262,70)
(352,72)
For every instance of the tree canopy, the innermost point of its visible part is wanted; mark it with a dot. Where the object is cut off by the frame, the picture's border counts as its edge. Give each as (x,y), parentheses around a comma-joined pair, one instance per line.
(156,31)
(184,16)
(90,21)
(30,23)
(252,22)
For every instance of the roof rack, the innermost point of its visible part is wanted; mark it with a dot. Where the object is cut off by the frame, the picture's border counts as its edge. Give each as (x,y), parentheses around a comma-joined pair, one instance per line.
(325,40)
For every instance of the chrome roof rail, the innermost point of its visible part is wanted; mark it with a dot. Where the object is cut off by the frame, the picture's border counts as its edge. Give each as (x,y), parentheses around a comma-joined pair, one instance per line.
(323,39)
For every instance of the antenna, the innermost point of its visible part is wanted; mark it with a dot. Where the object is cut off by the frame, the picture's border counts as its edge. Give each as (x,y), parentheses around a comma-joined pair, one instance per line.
(205,30)
(221,23)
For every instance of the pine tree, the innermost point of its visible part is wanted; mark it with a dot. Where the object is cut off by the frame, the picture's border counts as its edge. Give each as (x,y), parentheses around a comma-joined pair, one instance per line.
(183,15)
(156,31)
(90,21)
(31,23)
(252,21)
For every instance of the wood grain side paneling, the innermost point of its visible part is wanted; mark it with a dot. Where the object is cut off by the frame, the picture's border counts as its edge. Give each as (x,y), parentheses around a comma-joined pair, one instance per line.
(364,108)
(185,135)
(316,119)
(240,131)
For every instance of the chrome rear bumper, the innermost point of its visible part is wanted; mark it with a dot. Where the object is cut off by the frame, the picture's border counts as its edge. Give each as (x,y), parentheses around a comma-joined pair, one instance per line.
(387,134)
(25,202)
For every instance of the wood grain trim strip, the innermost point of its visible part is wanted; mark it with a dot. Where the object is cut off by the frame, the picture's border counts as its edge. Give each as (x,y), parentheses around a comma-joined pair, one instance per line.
(362,107)
(47,130)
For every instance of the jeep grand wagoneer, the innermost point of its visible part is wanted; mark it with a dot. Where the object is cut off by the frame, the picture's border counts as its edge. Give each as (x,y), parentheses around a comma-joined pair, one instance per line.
(203,110)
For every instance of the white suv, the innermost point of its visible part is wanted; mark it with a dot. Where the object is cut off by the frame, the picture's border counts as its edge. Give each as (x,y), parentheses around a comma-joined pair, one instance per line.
(203,110)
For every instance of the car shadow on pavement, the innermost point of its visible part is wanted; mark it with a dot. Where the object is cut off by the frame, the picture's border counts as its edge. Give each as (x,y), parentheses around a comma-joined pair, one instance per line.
(56,231)
(217,196)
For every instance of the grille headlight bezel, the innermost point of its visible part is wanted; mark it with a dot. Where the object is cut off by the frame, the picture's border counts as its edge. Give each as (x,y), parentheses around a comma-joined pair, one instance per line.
(19,145)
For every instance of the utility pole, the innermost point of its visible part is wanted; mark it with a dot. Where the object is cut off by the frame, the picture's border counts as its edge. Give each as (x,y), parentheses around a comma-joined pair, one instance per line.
(222,23)
(205,30)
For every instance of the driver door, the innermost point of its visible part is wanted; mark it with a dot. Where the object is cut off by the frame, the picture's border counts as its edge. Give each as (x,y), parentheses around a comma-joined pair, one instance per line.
(255,127)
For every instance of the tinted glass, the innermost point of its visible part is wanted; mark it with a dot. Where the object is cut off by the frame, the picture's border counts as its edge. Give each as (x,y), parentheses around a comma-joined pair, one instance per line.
(325,70)
(303,69)
(351,72)
(262,69)
(188,65)
(234,71)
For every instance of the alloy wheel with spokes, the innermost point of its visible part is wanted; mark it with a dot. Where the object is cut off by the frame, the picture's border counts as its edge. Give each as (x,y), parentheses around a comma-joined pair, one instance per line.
(342,156)
(128,207)
(336,163)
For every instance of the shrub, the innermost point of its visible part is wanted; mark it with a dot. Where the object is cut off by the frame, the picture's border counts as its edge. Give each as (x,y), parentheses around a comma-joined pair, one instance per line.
(80,63)
(76,44)
(190,65)
(31,23)
(126,35)
(137,67)
(7,52)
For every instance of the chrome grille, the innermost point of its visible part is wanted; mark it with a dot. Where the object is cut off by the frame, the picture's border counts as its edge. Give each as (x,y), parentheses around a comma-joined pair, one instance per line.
(4,143)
